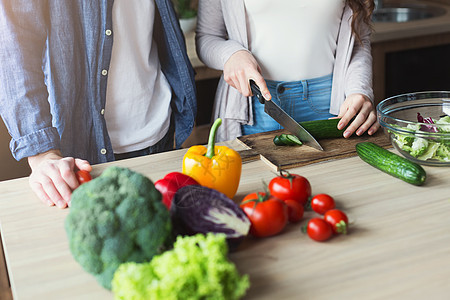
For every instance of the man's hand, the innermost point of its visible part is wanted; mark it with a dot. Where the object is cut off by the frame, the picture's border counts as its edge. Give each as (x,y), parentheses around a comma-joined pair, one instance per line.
(53,177)
(239,69)
(360,107)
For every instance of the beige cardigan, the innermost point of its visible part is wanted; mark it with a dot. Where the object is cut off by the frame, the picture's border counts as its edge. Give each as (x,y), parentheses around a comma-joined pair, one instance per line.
(221,31)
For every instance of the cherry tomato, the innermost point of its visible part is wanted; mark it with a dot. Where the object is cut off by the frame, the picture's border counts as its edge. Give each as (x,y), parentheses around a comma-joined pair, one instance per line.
(290,186)
(295,210)
(83,176)
(338,220)
(268,214)
(319,230)
(320,203)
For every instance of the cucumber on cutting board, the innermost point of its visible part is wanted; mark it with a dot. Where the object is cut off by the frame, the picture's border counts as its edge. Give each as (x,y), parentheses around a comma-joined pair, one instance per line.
(391,163)
(319,129)
(324,129)
(287,140)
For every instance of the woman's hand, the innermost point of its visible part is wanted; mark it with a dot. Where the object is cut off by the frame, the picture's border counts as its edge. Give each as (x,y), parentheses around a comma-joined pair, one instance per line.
(360,107)
(239,69)
(53,177)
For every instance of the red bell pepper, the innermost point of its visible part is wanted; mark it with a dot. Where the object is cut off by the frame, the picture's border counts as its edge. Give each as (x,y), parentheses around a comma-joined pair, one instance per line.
(171,183)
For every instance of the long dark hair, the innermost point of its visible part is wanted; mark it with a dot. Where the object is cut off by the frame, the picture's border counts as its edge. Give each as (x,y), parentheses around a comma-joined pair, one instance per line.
(362,13)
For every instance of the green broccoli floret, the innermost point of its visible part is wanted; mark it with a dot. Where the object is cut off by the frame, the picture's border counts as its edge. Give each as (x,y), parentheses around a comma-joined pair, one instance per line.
(117,217)
(419,147)
(196,268)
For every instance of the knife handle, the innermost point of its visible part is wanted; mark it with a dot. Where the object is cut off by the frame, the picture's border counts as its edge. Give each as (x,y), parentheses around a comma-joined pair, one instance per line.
(256,91)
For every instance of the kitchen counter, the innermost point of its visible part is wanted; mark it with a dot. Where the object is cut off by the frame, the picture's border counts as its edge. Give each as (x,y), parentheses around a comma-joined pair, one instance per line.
(398,246)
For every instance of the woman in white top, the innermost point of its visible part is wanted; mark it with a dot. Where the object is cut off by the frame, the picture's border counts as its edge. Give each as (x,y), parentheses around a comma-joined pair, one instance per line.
(311,57)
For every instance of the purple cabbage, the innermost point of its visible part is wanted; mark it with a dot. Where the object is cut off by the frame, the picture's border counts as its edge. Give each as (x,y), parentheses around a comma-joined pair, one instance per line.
(198,209)
(426,120)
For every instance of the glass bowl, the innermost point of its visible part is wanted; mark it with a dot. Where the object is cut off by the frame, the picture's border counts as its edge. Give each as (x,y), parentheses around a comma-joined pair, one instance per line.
(427,141)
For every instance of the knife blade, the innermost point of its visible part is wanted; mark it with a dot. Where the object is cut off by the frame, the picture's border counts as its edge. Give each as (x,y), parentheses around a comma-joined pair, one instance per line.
(285,120)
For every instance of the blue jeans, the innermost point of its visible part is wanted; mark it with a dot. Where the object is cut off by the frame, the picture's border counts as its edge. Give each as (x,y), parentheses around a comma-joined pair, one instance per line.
(303,100)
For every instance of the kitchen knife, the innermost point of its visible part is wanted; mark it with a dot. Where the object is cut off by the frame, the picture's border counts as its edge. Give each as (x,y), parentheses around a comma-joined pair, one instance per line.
(285,120)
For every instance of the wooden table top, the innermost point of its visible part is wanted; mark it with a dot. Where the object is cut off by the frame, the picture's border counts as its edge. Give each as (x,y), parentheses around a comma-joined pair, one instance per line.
(398,246)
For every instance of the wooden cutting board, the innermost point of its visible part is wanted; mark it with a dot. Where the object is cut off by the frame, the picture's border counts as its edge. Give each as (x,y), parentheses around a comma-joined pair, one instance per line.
(261,146)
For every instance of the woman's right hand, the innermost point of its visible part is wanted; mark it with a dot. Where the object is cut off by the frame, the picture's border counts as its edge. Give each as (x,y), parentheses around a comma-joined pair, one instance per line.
(53,177)
(239,69)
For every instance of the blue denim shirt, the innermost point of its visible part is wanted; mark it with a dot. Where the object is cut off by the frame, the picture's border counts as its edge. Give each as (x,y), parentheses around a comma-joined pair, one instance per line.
(54,58)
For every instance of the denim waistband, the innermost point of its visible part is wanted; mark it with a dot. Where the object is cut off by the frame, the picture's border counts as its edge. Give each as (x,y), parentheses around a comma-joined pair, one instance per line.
(293,84)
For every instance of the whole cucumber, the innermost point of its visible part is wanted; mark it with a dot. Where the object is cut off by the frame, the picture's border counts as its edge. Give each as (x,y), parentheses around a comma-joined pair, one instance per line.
(391,163)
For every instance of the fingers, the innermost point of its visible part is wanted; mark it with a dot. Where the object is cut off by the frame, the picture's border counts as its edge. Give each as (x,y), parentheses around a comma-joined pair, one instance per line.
(359,120)
(371,119)
(69,180)
(261,83)
(347,116)
(82,164)
(365,119)
(46,189)
(239,69)
(244,87)
(374,128)
(53,180)
(40,193)
(57,190)
(347,111)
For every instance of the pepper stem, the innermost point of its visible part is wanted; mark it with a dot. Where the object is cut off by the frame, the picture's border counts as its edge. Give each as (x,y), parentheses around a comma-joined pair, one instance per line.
(212,138)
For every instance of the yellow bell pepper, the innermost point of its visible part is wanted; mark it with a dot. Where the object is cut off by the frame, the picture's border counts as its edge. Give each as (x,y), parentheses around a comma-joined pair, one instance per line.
(216,167)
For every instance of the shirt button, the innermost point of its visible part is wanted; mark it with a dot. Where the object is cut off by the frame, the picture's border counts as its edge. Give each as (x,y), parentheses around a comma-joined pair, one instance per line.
(108,32)
(104,72)
(102,112)
(103,151)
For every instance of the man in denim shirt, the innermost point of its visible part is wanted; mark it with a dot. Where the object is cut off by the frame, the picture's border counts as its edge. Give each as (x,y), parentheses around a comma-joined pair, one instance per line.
(90,81)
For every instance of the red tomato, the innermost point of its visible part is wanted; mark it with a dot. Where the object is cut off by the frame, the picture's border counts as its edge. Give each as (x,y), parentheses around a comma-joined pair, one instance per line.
(319,230)
(170,184)
(321,203)
(83,176)
(338,220)
(295,210)
(290,186)
(268,214)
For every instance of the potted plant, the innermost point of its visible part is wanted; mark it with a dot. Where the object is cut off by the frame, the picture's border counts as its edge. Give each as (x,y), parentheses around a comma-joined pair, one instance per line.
(187,13)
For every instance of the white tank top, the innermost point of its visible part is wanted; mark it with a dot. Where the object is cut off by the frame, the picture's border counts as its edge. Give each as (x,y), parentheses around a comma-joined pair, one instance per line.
(294,39)
(138,94)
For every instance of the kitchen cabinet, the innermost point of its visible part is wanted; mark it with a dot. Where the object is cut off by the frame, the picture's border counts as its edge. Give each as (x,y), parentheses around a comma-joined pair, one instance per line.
(394,44)
(386,84)
(419,68)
